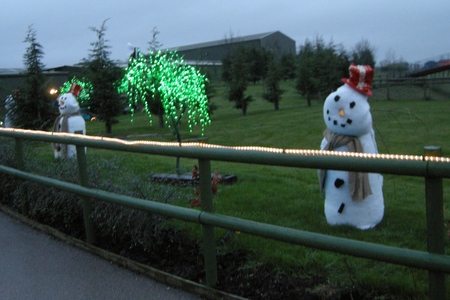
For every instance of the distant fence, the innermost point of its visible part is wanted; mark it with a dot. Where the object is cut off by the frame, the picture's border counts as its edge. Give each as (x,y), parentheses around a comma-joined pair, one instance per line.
(412,88)
(431,166)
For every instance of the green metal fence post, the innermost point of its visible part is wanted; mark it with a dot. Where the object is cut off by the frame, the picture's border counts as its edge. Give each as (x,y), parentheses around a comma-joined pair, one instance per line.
(87,205)
(435,225)
(18,153)
(209,236)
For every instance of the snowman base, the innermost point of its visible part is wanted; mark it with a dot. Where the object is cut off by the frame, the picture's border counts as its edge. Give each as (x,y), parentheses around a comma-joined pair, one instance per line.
(342,210)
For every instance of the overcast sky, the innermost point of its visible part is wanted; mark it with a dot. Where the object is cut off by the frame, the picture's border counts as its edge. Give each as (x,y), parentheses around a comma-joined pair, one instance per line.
(408,30)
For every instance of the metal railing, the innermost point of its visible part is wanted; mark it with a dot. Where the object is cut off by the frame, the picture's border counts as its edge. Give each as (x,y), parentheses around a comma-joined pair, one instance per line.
(431,167)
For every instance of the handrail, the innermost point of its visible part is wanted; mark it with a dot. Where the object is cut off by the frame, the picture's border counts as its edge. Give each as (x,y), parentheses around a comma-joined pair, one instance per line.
(387,164)
(433,169)
(407,257)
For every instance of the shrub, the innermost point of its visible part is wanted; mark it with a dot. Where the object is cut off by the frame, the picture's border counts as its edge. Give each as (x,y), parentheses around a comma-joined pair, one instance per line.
(63,210)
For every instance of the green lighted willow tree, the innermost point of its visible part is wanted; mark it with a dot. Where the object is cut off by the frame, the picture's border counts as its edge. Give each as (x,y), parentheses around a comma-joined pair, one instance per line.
(163,78)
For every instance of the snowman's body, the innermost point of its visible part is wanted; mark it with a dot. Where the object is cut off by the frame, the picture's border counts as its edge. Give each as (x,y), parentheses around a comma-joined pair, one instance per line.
(347,112)
(70,113)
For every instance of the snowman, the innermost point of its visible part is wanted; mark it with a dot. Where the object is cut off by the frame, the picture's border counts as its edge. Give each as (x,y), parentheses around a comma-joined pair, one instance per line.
(9,104)
(351,198)
(69,120)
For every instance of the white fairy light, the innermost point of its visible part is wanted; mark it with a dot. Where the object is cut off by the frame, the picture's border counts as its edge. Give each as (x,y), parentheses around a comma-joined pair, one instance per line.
(302,152)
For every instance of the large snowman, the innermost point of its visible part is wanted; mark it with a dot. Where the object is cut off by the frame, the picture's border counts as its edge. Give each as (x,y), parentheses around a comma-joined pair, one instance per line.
(351,198)
(69,120)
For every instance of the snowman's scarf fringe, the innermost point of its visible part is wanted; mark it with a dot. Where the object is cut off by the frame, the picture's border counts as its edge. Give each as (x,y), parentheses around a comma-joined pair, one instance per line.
(358,182)
(64,128)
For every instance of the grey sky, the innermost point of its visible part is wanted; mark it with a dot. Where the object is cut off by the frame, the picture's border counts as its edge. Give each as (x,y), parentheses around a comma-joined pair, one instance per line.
(411,30)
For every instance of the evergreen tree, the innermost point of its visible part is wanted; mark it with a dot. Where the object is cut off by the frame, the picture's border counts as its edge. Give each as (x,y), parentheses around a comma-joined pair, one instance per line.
(287,65)
(320,68)
(272,83)
(31,108)
(257,63)
(105,76)
(307,83)
(236,75)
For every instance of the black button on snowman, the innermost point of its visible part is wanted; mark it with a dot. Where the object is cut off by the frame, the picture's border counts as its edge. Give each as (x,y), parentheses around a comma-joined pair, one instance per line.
(351,198)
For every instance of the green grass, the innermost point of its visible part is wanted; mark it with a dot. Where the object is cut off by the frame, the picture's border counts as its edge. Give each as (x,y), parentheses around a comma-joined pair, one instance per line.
(290,197)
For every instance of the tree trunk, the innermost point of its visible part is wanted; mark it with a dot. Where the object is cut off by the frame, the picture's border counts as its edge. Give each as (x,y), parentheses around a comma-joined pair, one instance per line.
(276,104)
(161,120)
(177,163)
(108,127)
(178,135)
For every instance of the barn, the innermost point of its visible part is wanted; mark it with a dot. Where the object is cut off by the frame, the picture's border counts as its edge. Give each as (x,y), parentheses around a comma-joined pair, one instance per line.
(213,52)
(14,79)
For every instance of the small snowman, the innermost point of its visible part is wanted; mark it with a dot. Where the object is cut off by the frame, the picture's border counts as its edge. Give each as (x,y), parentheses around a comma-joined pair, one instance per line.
(351,198)
(9,104)
(69,120)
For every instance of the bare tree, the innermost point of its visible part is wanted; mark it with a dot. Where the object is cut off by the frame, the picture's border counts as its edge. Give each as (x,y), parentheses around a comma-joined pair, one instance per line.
(389,58)
(364,53)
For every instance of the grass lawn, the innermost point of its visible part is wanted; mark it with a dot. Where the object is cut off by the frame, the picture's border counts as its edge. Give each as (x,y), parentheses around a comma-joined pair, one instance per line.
(291,197)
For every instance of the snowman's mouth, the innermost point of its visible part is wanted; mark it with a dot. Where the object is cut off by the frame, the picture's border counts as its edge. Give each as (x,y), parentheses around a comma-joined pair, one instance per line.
(348,122)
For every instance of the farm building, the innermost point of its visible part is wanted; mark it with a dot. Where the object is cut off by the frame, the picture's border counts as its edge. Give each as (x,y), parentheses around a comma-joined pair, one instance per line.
(14,79)
(213,52)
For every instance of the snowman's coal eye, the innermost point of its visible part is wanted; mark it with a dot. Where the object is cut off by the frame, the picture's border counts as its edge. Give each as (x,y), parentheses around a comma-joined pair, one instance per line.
(352,104)
(336,98)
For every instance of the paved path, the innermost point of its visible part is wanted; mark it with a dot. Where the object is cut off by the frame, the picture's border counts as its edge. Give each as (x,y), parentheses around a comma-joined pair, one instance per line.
(36,266)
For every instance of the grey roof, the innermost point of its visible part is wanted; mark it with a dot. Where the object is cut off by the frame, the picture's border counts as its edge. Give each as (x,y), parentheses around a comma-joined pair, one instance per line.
(224,41)
(18,72)
(11,71)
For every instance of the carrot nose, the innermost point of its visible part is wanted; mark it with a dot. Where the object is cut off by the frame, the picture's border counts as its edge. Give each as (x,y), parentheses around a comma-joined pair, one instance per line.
(341,112)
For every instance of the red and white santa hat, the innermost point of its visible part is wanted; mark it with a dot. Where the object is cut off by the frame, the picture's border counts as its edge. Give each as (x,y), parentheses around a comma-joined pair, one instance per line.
(361,77)
(75,89)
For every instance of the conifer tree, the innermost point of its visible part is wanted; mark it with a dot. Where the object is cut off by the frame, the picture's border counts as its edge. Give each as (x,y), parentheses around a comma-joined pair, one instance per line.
(272,82)
(105,76)
(320,68)
(237,75)
(31,108)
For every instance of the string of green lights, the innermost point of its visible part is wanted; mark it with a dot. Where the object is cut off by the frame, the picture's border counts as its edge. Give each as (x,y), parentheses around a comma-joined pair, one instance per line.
(86,89)
(163,76)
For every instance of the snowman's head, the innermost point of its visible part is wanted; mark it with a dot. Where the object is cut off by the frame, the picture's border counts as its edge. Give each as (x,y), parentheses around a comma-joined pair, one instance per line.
(68,104)
(347,111)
